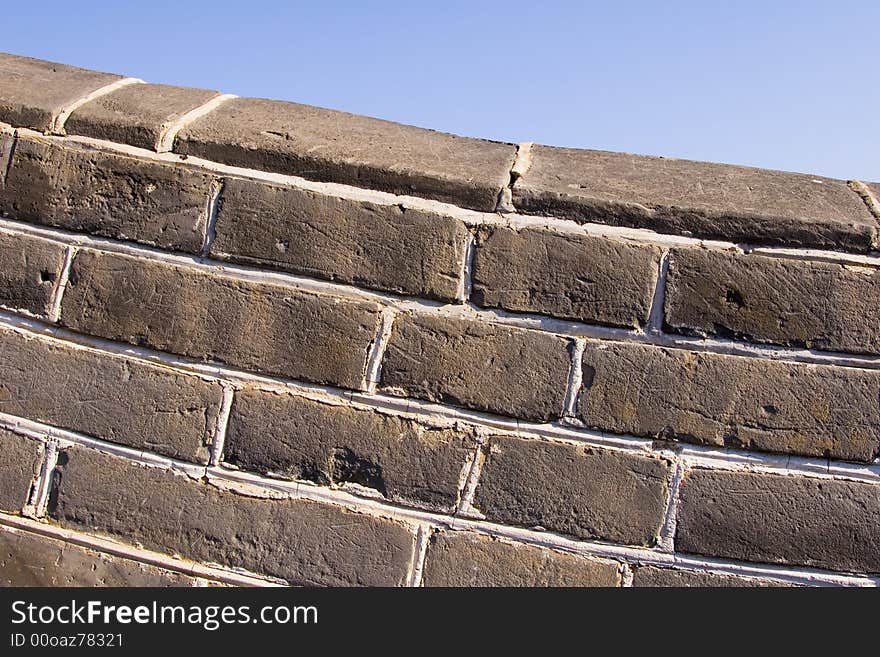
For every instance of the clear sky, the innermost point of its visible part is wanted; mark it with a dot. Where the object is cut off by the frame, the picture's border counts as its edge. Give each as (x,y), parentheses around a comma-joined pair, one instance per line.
(776,83)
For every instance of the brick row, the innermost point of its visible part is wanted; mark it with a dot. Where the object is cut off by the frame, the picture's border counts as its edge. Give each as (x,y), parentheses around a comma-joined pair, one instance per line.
(30,560)
(21,462)
(650,576)
(300,541)
(207,315)
(290,436)
(801,303)
(785,519)
(108,397)
(733,203)
(731,401)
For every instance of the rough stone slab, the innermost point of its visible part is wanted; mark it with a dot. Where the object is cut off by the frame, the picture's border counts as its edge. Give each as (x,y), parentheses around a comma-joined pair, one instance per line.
(326,145)
(29,270)
(30,560)
(108,397)
(136,114)
(32,91)
(390,248)
(478,365)
(731,401)
(587,492)
(819,305)
(648,576)
(21,460)
(259,327)
(468,559)
(106,194)
(301,541)
(584,278)
(300,438)
(793,520)
(733,203)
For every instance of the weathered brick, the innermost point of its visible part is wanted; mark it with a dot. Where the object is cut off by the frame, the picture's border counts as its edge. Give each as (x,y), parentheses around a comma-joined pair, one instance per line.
(707,200)
(32,91)
(648,576)
(109,397)
(580,277)
(20,462)
(803,521)
(803,303)
(301,541)
(588,492)
(29,268)
(384,247)
(468,559)
(326,145)
(30,560)
(300,438)
(732,401)
(479,365)
(136,114)
(107,194)
(260,327)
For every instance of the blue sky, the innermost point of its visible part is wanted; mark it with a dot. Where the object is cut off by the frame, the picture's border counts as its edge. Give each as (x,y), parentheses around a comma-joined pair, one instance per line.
(787,85)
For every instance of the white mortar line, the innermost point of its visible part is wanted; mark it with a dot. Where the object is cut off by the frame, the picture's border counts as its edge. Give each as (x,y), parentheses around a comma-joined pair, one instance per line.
(56,126)
(467,268)
(575,377)
(219,440)
(125,551)
(32,504)
(376,353)
(420,552)
(41,501)
(165,143)
(626,575)
(61,285)
(657,313)
(211,210)
(523,161)
(870,200)
(438,415)
(472,218)
(666,542)
(472,471)
(815,255)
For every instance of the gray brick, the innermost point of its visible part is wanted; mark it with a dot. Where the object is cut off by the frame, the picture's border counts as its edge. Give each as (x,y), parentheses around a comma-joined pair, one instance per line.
(108,397)
(29,270)
(22,459)
(136,114)
(648,576)
(801,521)
(30,560)
(326,145)
(587,492)
(259,327)
(733,203)
(331,444)
(32,91)
(801,303)
(384,247)
(467,559)
(300,541)
(584,278)
(478,365)
(731,401)
(106,194)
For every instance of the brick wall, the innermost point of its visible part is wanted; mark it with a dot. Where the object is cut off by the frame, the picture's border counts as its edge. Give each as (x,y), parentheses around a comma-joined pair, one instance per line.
(252,342)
